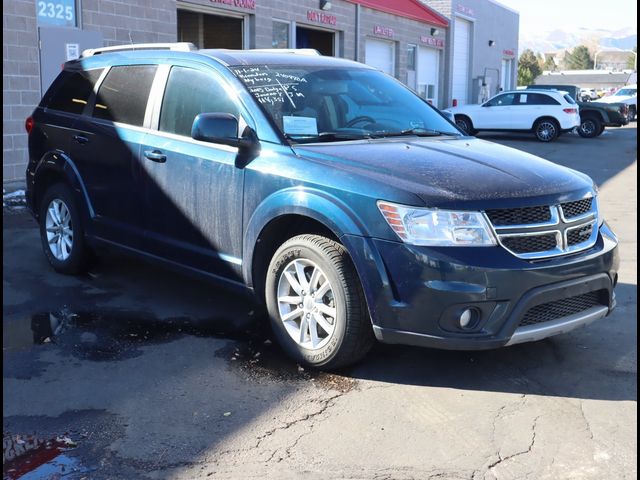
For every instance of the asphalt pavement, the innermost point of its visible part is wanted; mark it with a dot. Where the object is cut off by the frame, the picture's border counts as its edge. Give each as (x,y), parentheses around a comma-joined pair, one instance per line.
(134,371)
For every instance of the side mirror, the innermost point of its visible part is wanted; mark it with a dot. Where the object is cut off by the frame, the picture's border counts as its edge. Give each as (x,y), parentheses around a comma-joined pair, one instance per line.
(216,128)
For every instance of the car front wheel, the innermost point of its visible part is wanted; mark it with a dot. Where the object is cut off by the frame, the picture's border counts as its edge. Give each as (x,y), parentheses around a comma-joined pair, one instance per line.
(61,231)
(546,130)
(316,304)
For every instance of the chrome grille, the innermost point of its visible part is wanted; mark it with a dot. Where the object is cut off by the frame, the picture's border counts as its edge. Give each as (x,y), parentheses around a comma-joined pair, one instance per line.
(531,243)
(519,216)
(576,209)
(564,307)
(546,231)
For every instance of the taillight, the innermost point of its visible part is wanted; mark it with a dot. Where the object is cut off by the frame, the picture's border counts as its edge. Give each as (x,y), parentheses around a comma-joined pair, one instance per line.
(570,110)
(455,102)
(28,125)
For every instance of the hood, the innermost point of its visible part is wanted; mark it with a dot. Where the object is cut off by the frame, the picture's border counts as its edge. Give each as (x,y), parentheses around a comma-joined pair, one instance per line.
(448,173)
(615,99)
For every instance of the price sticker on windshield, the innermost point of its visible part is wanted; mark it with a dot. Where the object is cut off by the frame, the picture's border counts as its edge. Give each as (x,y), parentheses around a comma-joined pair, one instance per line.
(300,125)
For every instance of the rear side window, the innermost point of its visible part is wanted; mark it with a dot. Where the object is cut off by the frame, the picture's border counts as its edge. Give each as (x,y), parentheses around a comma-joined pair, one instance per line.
(538,99)
(188,93)
(569,99)
(122,96)
(71,90)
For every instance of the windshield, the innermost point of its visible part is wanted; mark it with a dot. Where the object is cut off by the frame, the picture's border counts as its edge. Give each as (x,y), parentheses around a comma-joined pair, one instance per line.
(626,92)
(311,104)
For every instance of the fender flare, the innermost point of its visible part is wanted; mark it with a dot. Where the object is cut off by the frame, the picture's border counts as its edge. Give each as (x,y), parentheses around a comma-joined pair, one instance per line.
(317,205)
(60,164)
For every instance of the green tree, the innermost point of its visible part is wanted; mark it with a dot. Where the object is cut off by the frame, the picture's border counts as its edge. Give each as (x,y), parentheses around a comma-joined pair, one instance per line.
(579,59)
(528,68)
(549,64)
(631,61)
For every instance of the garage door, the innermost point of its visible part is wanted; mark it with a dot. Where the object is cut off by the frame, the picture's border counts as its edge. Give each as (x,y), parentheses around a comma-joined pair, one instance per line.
(461,48)
(380,54)
(428,72)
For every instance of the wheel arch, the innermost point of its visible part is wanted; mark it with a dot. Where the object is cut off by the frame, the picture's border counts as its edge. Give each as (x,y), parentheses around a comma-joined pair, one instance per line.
(57,167)
(545,117)
(286,214)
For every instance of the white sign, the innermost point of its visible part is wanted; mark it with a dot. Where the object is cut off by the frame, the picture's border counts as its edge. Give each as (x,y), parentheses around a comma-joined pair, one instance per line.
(73,51)
(300,125)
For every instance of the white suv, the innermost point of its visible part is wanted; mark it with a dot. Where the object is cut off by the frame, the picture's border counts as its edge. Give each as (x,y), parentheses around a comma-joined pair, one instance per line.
(627,95)
(546,113)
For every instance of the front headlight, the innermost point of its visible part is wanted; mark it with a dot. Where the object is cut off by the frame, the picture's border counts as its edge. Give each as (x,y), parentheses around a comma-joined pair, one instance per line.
(441,228)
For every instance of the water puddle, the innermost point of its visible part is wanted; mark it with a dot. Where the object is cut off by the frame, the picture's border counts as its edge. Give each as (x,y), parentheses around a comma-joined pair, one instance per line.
(27,457)
(117,335)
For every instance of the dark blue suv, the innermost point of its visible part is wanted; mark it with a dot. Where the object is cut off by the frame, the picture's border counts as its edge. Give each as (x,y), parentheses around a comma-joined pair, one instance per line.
(349,206)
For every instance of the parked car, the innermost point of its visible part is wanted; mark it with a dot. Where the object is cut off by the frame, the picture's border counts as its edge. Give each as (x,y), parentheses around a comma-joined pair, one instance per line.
(546,113)
(342,201)
(588,94)
(594,116)
(627,95)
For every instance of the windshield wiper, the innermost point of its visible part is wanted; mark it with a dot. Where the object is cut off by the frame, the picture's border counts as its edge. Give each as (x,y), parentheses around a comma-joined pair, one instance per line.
(327,137)
(418,132)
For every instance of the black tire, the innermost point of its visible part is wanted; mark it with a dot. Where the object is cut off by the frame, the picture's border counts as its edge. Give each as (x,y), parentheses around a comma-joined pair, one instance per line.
(546,130)
(352,335)
(590,127)
(602,129)
(464,124)
(632,113)
(79,254)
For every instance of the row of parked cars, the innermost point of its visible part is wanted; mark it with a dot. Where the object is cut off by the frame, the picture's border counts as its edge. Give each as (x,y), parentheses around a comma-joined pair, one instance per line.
(548,111)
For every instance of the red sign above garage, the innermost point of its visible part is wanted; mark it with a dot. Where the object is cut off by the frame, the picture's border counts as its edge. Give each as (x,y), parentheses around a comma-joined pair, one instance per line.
(406,8)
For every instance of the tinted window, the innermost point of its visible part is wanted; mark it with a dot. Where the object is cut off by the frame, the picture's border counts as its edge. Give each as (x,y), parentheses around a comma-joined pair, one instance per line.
(569,99)
(71,90)
(188,93)
(502,100)
(537,99)
(123,94)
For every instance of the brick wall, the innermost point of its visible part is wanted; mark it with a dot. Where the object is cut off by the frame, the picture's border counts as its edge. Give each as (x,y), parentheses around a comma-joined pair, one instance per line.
(20,82)
(120,22)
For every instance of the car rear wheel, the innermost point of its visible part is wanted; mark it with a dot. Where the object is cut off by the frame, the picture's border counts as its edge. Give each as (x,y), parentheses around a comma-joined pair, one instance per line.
(590,127)
(632,113)
(61,231)
(464,124)
(546,130)
(316,304)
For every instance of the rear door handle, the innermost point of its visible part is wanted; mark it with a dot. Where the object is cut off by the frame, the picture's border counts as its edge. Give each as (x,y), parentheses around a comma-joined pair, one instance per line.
(80,139)
(155,155)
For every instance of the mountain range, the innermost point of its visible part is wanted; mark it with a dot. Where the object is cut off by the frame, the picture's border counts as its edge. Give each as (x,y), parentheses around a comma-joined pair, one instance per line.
(595,39)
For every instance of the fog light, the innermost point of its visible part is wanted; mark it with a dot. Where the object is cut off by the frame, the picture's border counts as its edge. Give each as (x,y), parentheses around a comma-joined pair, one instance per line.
(465,318)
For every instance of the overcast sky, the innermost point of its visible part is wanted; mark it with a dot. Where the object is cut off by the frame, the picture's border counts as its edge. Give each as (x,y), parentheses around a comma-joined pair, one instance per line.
(547,15)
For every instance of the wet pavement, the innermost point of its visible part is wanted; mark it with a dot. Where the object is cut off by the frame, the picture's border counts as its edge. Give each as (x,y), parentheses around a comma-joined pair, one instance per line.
(133,371)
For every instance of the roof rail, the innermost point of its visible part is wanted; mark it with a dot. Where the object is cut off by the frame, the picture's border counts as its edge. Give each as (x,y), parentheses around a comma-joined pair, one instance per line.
(297,51)
(177,46)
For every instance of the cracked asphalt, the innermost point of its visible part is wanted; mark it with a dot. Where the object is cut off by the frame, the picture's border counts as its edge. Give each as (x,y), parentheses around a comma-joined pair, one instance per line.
(156,375)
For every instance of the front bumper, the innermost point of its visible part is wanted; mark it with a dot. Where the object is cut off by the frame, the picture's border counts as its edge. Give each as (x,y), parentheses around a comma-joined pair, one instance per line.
(416,294)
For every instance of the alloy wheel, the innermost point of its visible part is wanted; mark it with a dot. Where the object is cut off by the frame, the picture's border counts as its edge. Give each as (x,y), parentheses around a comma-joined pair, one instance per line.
(59,229)
(306,304)
(546,131)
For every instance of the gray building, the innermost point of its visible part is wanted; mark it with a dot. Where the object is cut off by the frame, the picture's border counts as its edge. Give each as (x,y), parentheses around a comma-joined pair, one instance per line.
(481,57)
(410,40)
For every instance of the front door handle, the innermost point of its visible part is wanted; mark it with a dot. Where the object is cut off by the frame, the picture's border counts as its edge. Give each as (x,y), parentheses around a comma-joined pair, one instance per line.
(80,139)
(155,155)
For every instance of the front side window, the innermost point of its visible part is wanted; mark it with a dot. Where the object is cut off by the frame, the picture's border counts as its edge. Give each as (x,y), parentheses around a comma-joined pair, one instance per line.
(71,90)
(122,96)
(502,100)
(188,93)
(311,103)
